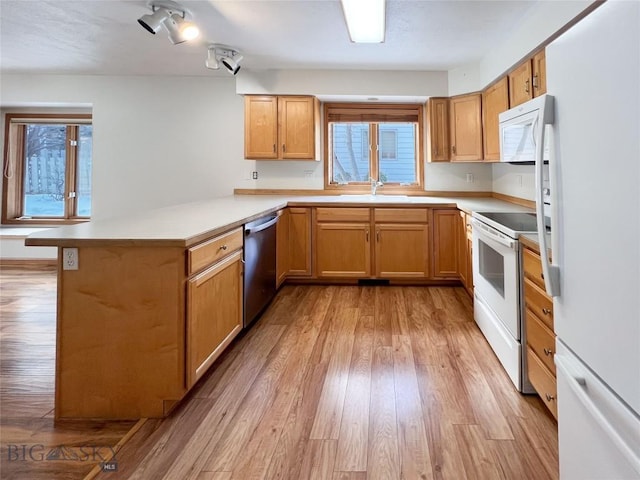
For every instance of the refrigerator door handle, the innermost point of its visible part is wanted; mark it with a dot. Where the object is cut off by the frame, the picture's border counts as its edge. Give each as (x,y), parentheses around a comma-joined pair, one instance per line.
(551,272)
(577,383)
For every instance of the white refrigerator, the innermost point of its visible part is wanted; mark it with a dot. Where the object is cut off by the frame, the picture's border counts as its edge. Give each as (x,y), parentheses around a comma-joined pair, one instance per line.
(593,71)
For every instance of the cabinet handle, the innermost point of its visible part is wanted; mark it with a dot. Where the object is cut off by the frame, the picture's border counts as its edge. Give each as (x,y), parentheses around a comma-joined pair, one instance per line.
(453,149)
(274,148)
(526,86)
(549,397)
(378,236)
(547,351)
(284,148)
(367,234)
(542,276)
(535,81)
(223,247)
(546,311)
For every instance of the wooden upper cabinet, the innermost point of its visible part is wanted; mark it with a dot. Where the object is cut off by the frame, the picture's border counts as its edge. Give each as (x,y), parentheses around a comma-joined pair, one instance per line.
(495,100)
(539,72)
(260,127)
(296,127)
(438,130)
(465,128)
(528,80)
(280,127)
(520,89)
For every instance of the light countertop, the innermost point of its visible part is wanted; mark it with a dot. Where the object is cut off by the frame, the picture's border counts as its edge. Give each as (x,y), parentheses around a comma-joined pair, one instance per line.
(189,223)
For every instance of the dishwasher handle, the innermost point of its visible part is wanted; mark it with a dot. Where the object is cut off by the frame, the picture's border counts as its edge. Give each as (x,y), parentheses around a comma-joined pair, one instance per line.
(262,226)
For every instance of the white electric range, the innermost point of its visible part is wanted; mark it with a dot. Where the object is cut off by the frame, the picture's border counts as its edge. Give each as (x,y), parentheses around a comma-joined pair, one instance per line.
(498,305)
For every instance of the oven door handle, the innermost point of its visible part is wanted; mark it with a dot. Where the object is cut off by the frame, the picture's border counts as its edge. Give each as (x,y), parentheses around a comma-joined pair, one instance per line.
(493,234)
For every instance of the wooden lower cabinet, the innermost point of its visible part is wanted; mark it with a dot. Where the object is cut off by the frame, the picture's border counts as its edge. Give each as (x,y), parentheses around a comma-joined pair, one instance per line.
(445,235)
(214,313)
(464,242)
(401,250)
(299,242)
(138,325)
(343,250)
(539,331)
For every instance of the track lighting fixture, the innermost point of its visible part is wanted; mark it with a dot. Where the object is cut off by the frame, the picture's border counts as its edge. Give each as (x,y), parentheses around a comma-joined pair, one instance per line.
(222,54)
(172,17)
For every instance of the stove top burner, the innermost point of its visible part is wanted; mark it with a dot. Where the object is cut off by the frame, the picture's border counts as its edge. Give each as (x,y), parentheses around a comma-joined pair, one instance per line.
(509,223)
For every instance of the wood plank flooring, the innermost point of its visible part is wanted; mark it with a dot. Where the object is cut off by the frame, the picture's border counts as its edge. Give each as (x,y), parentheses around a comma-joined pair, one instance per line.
(353,383)
(32,445)
(332,383)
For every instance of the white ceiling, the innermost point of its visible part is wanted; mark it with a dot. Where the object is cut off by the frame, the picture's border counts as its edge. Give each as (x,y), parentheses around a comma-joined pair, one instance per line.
(103,36)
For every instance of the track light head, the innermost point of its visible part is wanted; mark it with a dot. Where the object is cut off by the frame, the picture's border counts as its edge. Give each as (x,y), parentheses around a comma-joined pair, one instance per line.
(153,22)
(222,54)
(173,17)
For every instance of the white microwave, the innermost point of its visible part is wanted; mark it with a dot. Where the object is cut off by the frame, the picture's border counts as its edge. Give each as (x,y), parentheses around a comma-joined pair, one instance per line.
(521,130)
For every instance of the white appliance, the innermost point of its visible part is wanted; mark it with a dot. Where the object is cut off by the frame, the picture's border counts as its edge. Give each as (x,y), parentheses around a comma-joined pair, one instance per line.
(593,70)
(524,128)
(497,305)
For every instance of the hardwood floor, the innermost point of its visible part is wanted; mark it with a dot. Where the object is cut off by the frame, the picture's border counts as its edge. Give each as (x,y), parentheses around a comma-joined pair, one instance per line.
(346,383)
(332,383)
(33,446)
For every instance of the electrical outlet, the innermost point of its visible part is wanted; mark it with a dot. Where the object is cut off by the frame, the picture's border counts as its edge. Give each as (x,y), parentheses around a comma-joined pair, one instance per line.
(519,180)
(469,177)
(308,173)
(254,175)
(70,259)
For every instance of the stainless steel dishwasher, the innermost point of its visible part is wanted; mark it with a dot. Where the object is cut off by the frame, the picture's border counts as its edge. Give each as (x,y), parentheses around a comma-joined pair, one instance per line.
(259,266)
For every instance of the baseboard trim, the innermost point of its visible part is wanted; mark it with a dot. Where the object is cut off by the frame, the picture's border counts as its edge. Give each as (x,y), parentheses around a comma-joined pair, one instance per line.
(29,263)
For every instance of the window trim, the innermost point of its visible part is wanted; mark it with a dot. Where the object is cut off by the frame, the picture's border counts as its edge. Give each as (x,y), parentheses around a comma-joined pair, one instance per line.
(13,188)
(369,112)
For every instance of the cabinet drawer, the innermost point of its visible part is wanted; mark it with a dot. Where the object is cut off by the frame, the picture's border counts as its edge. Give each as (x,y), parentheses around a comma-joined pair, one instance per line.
(532,266)
(400,215)
(543,381)
(343,214)
(213,250)
(538,302)
(541,340)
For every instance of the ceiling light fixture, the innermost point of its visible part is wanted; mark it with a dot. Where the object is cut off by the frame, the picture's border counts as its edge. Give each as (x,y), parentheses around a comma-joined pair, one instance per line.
(228,56)
(174,19)
(365,20)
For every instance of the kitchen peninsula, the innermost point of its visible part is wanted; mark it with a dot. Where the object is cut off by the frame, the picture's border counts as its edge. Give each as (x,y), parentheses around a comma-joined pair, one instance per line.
(131,340)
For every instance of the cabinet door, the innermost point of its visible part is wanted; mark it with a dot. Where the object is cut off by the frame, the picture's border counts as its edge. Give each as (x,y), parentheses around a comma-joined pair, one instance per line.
(495,100)
(299,242)
(539,78)
(296,128)
(520,89)
(282,247)
(214,313)
(445,228)
(438,129)
(465,128)
(260,127)
(343,250)
(402,250)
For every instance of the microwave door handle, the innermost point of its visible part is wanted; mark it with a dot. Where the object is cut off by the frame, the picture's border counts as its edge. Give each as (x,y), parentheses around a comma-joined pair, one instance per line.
(551,272)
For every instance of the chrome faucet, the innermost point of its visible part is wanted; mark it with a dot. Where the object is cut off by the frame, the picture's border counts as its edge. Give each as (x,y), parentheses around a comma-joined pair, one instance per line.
(374,185)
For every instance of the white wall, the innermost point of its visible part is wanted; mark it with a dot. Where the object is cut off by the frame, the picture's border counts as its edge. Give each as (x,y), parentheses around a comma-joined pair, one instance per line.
(329,83)
(157,140)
